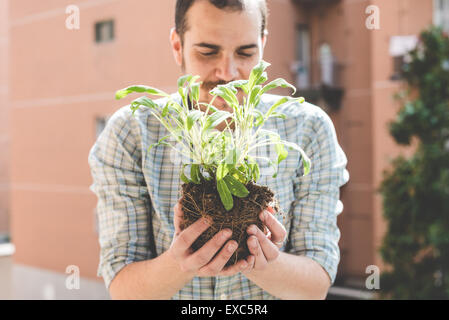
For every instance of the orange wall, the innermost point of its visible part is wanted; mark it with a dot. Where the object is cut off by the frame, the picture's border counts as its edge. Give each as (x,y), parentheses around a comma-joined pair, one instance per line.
(367,106)
(342,26)
(4,119)
(401,18)
(61,80)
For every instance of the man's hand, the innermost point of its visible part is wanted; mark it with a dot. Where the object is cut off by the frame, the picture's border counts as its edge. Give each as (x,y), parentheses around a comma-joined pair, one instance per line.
(265,247)
(204,262)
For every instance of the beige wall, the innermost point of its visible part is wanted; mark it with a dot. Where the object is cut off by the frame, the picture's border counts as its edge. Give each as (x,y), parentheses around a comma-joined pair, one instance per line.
(4,119)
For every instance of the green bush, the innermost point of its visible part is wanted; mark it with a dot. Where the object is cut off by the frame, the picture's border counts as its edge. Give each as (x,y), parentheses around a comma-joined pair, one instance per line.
(416,191)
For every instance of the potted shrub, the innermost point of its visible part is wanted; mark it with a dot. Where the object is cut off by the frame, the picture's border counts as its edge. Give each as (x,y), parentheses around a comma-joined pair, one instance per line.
(222,179)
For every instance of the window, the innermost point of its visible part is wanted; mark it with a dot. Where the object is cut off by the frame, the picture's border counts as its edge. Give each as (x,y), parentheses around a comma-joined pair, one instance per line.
(326,65)
(398,64)
(441,14)
(399,48)
(301,67)
(104,31)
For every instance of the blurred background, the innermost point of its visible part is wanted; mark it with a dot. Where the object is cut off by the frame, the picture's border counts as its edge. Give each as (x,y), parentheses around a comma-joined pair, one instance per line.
(57,86)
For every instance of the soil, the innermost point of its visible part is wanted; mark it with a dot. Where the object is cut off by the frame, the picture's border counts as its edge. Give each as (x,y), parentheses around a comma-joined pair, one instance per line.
(199,200)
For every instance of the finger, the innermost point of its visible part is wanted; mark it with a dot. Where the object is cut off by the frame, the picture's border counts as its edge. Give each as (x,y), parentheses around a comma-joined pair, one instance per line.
(254,248)
(240,266)
(278,232)
(201,259)
(189,235)
(269,249)
(250,260)
(178,217)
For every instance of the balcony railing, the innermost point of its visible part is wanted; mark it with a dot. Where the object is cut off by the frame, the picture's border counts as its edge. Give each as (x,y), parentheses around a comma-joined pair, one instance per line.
(322,86)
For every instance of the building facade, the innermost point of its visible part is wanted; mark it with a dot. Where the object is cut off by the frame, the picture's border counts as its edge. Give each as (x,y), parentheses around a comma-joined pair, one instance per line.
(4,122)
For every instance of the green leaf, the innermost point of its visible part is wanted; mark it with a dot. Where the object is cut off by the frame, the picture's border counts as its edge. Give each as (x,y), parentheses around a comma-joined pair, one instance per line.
(256,172)
(275,167)
(222,171)
(238,175)
(280,102)
(192,117)
(231,157)
(236,187)
(254,94)
(228,93)
(165,110)
(139,88)
(281,152)
(195,92)
(173,107)
(259,116)
(161,141)
(216,118)
(274,136)
(257,73)
(242,84)
(183,80)
(278,115)
(183,176)
(181,87)
(225,195)
(263,77)
(307,164)
(277,83)
(145,101)
(195,173)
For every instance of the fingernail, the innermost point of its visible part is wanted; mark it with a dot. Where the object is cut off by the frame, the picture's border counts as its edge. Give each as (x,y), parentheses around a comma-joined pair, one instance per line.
(227,233)
(253,242)
(243,265)
(253,229)
(232,246)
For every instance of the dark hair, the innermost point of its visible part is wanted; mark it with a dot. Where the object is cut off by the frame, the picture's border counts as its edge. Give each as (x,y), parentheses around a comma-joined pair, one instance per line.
(182,6)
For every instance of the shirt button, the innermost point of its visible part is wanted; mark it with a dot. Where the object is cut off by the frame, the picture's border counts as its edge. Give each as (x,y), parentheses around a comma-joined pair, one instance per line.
(223,296)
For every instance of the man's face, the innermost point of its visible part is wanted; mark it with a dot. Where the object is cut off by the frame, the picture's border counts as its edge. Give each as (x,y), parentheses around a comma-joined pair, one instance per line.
(220,46)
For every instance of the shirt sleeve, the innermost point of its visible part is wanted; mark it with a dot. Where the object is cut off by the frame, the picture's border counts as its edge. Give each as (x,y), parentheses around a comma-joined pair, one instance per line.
(123,200)
(314,231)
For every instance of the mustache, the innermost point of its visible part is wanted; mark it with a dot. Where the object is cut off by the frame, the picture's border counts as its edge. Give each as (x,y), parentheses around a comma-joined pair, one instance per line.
(210,85)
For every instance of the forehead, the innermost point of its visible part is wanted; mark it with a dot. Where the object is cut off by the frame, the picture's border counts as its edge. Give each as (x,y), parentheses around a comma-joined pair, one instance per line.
(211,24)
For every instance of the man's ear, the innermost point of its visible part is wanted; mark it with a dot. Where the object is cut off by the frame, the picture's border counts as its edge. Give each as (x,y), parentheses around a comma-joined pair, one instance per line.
(176,45)
(264,38)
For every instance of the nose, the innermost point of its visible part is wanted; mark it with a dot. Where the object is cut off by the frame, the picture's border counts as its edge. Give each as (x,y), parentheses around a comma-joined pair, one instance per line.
(227,69)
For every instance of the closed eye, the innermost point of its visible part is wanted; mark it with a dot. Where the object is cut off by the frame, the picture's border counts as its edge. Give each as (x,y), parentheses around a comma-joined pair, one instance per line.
(208,53)
(246,54)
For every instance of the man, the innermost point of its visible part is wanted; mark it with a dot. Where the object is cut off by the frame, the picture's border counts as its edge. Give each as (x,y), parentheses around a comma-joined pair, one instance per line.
(145,255)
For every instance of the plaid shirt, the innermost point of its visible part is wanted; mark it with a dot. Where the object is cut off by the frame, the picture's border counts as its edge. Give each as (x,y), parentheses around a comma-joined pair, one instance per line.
(137,191)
